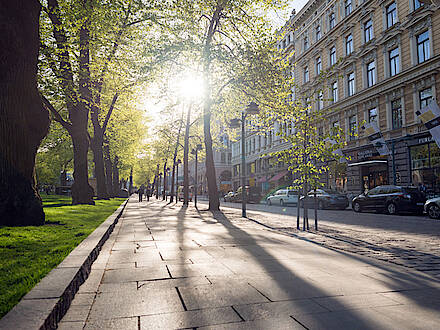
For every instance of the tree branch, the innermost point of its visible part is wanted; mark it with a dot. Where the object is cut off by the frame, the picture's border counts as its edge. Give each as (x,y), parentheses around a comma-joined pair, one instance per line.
(57,116)
(109,112)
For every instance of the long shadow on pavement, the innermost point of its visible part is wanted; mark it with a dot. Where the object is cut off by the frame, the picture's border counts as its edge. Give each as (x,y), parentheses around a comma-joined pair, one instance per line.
(259,253)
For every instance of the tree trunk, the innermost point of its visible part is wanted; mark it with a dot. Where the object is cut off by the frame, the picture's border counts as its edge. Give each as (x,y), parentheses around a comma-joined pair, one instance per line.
(23,120)
(185,160)
(82,192)
(98,159)
(108,170)
(164,193)
(176,149)
(115,175)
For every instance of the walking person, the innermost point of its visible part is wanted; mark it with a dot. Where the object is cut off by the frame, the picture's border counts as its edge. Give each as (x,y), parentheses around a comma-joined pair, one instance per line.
(148,193)
(140,192)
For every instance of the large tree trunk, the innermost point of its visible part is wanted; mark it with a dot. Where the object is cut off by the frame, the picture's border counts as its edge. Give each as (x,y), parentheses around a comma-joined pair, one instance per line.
(23,120)
(82,192)
(108,170)
(98,159)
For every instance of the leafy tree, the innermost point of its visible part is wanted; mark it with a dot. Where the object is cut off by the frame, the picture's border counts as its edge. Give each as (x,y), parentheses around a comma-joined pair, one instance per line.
(23,120)
(225,36)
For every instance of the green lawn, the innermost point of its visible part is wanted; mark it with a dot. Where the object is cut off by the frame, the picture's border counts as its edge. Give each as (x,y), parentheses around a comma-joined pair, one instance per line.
(27,254)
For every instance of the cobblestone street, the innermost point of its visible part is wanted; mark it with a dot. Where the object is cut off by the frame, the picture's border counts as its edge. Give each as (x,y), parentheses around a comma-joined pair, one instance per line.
(410,241)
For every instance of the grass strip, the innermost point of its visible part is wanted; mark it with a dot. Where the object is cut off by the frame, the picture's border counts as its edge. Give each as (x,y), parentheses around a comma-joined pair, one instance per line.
(27,254)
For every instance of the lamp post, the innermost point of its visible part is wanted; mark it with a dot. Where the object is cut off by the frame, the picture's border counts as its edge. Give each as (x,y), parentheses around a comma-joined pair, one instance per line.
(251,109)
(157,182)
(194,152)
(177,179)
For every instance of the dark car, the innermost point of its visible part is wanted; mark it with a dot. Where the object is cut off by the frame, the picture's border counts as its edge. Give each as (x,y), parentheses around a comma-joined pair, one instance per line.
(253,195)
(326,199)
(392,199)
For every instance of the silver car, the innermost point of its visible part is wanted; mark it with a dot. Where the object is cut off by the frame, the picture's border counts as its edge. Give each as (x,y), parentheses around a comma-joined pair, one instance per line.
(283,197)
(432,207)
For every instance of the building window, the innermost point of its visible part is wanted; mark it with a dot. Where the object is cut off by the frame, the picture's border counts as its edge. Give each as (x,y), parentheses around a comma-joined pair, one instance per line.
(332,56)
(331,20)
(393,60)
(318,32)
(396,114)
(391,12)
(368,30)
(335,127)
(350,84)
(349,44)
(348,7)
(306,43)
(423,46)
(335,92)
(352,127)
(306,74)
(318,65)
(372,115)
(320,102)
(371,74)
(425,97)
(417,4)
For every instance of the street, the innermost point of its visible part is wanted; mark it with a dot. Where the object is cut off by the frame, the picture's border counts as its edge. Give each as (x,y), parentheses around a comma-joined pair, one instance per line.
(408,240)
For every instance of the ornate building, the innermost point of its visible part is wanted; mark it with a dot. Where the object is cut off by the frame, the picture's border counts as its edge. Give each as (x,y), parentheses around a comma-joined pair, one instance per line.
(382,60)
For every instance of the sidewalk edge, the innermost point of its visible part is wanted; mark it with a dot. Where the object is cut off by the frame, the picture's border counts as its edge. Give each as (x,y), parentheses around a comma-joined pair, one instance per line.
(45,305)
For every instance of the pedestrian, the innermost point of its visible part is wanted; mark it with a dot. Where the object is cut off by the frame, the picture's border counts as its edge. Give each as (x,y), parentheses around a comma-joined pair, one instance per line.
(422,188)
(140,192)
(148,193)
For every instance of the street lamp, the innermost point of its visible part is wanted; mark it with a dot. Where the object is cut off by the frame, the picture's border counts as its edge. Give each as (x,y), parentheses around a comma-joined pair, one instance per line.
(177,178)
(194,152)
(251,109)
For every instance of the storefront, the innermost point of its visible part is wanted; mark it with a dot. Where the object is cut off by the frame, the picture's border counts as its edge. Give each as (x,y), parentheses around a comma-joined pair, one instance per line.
(425,164)
(366,169)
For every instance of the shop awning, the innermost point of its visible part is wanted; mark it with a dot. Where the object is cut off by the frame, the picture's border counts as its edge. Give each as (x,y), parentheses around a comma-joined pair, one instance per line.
(278,176)
(369,162)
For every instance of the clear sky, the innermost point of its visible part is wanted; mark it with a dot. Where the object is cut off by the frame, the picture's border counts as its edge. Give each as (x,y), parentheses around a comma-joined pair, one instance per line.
(280,18)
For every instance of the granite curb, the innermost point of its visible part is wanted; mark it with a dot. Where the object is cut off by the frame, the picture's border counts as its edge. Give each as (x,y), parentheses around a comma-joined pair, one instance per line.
(45,305)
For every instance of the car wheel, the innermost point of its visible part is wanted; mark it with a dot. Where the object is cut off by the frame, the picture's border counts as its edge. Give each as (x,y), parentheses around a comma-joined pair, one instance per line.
(357,207)
(320,205)
(391,208)
(434,211)
(281,202)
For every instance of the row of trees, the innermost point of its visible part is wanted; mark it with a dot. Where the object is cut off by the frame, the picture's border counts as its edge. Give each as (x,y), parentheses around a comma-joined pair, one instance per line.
(92,56)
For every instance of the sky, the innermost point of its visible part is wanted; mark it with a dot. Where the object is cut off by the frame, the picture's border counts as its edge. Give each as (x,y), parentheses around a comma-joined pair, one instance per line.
(150,104)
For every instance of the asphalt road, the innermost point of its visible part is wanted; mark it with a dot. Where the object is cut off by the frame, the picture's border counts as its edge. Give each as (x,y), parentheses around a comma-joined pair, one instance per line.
(404,222)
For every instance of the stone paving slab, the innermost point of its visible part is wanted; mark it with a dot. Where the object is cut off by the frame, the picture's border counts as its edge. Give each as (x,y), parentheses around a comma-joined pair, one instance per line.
(168,267)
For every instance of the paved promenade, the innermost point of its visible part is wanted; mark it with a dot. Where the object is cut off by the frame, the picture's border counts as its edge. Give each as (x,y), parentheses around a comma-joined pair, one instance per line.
(172,267)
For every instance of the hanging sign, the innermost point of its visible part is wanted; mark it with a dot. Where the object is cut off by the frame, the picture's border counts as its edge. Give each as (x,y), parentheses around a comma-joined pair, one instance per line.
(329,143)
(430,117)
(373,134)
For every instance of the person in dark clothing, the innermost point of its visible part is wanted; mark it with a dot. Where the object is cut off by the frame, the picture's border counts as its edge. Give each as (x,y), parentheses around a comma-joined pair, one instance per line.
(148,193)
(140,193)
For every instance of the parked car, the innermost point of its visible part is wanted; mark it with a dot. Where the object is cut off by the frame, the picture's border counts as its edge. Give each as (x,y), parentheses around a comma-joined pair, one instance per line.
(392,199)
(283,197)
(432,208)
(180,193)
(253,195)
(326,199)
(229,197)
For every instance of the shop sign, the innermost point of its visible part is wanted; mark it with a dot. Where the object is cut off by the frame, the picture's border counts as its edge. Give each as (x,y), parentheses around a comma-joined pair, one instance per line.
(373,133)
(362,154)
(329,143)
(430,117)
